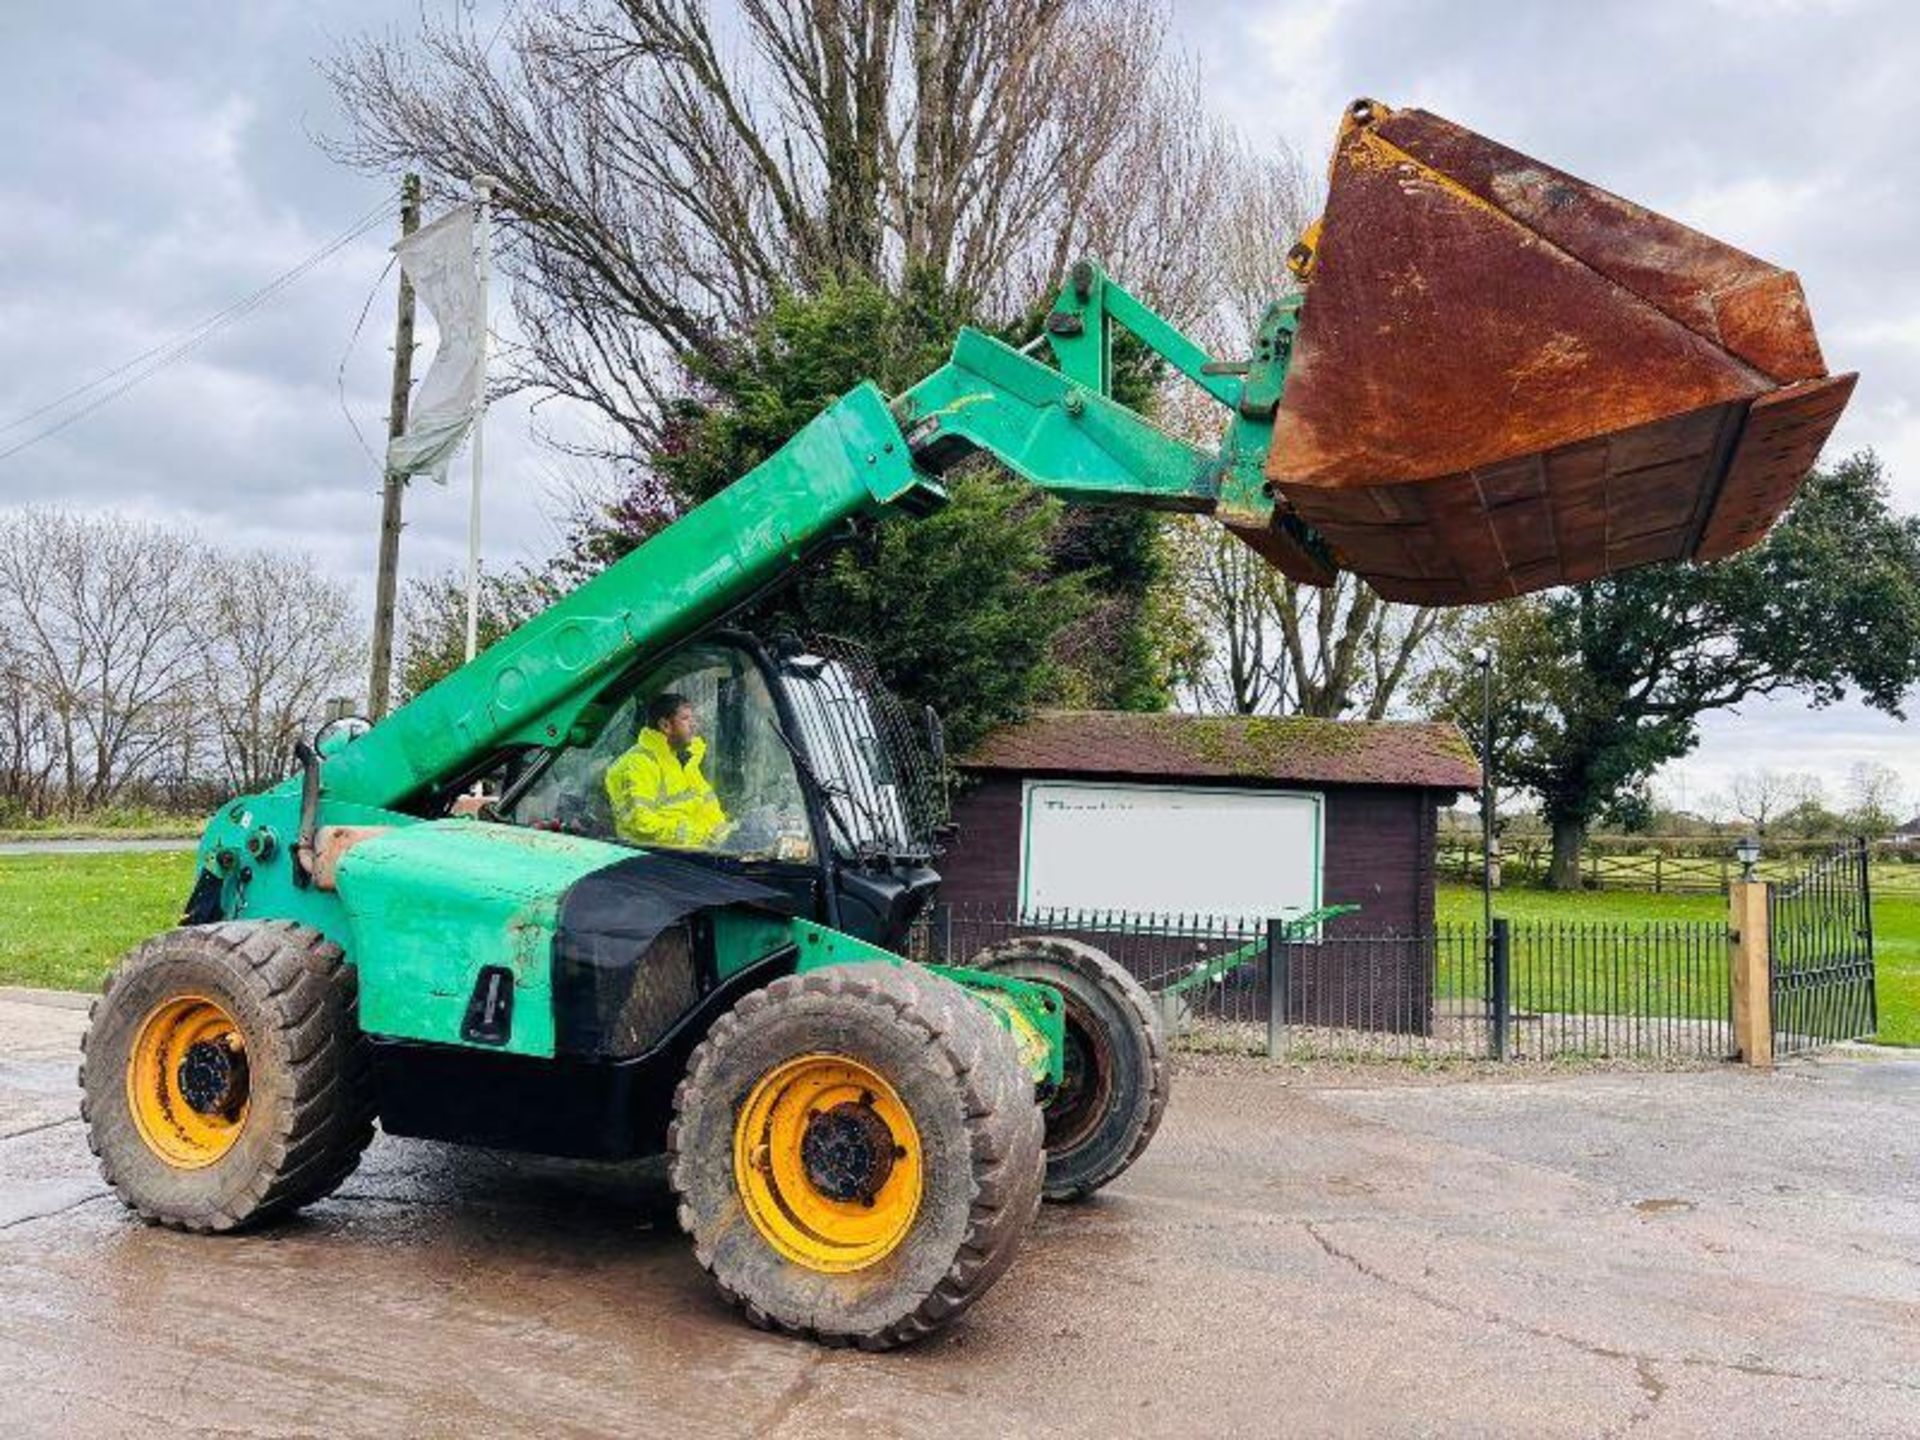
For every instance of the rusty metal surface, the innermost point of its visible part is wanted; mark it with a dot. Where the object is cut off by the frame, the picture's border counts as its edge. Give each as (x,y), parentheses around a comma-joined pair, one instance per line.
(1506,378)
(1782,438)
(1285,553)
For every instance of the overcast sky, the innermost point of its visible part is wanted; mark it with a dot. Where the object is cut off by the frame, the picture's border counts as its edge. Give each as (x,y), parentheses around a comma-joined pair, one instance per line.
(158,164)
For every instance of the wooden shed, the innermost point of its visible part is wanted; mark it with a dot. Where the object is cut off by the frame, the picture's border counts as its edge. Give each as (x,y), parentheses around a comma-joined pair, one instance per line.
(1211,814)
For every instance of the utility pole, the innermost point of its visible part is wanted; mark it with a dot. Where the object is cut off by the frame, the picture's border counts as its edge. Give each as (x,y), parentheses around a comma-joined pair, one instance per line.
(393,487)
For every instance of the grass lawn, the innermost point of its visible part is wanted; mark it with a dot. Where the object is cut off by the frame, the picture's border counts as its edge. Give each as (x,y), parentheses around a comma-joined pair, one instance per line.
(64,920)
(1652,955)
(128,822)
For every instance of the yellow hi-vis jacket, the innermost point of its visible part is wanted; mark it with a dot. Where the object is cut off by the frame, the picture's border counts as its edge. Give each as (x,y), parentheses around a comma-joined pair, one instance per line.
(659,799)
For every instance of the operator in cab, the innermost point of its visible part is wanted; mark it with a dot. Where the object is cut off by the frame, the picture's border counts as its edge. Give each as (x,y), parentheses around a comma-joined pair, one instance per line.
(659,796)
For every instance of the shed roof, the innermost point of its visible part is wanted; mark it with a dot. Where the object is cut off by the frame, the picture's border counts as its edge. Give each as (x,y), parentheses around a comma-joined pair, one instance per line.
(1427,753)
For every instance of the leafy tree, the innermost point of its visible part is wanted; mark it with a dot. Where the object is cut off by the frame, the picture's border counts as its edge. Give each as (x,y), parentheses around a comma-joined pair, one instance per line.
(965,611)
(1632,811)
(1600,684)
(670,172)
(1810,819)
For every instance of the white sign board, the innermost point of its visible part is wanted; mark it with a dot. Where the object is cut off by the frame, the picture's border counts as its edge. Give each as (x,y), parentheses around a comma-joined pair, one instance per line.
(1249,855)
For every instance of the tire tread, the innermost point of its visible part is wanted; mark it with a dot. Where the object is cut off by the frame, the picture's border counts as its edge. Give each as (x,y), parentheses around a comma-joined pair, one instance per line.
(1100,969)
(310,996)
(1003,1122)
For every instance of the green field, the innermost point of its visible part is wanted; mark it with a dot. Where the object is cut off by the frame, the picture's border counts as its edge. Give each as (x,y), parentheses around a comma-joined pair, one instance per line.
(64,919)
(123,822)
(1592,955)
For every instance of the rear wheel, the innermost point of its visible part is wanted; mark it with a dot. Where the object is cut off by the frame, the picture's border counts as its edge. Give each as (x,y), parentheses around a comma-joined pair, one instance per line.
(224,1079)
(857,1153)
(1115,1082)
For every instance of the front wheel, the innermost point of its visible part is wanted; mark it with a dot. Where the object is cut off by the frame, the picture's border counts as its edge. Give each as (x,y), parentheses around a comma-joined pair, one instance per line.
(1114,1089)
(857,1153)
(224,1079)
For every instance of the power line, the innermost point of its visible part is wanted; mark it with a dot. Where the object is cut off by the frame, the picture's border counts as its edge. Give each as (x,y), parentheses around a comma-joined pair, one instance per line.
(340,374)
(151,362)
(99,380)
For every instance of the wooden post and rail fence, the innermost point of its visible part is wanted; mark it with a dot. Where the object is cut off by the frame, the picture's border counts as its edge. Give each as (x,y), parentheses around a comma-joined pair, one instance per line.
(1664,865)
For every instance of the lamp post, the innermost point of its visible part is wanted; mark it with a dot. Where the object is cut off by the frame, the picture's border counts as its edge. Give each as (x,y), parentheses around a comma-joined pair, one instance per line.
(1483,661)
(1747,852)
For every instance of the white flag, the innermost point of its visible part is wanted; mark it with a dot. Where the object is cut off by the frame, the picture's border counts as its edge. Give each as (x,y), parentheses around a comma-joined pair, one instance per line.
(439,260)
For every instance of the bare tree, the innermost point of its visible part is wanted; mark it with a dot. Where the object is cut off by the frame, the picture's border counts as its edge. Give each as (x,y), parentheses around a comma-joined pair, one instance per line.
(29,749)
(1874,795)
(1761,797)
(662,184)
(281,639)
(133,659)
(105,619)
(1232,595)
(1272,645)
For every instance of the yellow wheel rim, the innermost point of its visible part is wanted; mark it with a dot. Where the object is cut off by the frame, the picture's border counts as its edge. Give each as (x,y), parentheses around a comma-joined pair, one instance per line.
(828,1163)
(187,1081)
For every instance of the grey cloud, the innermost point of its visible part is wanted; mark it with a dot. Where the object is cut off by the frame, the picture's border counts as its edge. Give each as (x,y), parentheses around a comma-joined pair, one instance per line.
(158,164)
(168,170)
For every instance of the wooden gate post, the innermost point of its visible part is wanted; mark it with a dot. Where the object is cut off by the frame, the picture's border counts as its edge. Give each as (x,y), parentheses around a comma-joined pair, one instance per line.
(1749,972)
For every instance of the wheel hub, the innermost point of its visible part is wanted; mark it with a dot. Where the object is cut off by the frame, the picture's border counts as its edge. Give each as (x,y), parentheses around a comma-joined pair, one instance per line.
(1078,1107)
(827,1163)
(187,1081)
(213,1078)
(848,1151)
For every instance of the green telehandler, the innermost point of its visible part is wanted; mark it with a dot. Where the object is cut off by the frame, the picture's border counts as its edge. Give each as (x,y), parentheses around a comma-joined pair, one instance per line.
(1492,377)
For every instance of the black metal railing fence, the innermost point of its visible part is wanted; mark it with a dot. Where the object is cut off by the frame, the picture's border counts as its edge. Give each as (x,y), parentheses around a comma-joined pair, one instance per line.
(1530,990)
(1820,952)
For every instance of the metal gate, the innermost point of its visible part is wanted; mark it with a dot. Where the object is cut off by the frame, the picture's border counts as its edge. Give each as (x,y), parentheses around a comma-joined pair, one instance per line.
(1820,953)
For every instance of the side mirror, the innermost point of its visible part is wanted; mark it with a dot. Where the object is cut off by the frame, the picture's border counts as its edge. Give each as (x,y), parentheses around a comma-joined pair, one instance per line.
(340,732)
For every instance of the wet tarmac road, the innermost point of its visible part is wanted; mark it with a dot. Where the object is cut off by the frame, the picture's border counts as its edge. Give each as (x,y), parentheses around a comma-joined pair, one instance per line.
(1583,1255)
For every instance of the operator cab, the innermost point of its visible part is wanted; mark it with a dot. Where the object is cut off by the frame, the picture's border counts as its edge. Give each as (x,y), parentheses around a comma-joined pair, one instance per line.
(825,790)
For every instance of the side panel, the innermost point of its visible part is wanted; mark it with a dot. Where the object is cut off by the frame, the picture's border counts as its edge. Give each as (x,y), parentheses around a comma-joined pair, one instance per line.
(431,905)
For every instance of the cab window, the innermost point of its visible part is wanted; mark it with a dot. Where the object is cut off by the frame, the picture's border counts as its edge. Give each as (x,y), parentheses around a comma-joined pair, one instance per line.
(729,787)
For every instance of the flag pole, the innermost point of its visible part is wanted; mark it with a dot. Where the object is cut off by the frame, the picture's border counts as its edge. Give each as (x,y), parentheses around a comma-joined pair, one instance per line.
(483,186)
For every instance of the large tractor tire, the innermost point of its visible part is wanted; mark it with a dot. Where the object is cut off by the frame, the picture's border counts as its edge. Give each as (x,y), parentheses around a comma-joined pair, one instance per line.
(224,1079)
(857,1153)
(1114,1090)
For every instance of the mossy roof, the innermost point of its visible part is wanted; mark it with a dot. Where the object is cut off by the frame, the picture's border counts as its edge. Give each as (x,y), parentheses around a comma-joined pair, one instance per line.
(1294,749)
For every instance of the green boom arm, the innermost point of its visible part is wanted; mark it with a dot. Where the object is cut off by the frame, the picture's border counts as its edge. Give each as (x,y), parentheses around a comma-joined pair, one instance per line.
(1058,428)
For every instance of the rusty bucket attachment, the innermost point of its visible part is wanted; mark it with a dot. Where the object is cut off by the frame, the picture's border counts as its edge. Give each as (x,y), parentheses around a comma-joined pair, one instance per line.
(1505,378)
